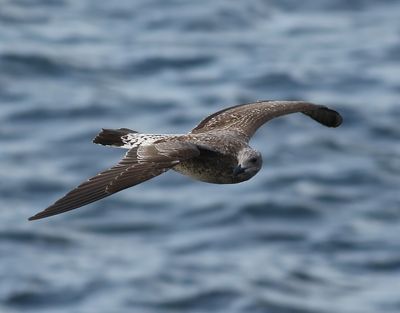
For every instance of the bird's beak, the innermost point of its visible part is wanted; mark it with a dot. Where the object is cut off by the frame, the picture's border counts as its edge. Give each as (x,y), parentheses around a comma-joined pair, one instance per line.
(238,170)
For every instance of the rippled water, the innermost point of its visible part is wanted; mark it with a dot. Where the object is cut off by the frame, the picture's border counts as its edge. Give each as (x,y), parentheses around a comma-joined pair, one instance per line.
(317,230)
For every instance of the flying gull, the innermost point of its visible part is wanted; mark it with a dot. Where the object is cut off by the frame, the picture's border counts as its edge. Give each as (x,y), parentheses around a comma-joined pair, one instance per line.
(216,151)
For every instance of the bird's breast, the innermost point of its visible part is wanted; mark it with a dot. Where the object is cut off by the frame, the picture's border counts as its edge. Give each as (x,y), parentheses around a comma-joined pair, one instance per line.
(217,170)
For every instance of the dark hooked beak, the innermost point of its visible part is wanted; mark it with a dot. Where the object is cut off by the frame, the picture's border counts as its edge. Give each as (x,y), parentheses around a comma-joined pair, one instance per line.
(238,170)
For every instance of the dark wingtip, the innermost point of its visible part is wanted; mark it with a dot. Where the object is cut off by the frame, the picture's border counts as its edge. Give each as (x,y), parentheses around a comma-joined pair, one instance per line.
(325,116)
(43,214)
(333,118)
(34,217)
(339,120)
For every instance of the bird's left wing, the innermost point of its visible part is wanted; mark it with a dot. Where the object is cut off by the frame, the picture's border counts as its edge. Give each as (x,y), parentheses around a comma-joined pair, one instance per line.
(137,166)
(245,119)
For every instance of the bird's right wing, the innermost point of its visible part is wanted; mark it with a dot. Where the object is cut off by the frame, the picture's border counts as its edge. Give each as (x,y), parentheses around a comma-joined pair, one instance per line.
(245,119)
(137,166)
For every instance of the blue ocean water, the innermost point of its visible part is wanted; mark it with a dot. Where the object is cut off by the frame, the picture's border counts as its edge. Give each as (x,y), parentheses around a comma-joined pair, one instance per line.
(317,230)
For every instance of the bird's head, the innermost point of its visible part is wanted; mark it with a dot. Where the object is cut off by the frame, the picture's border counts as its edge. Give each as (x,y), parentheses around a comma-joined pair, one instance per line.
(249,163)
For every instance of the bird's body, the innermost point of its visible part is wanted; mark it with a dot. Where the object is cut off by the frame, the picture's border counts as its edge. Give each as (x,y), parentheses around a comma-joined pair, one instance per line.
(215,151)
(217,159)
(209,167)
(217,154)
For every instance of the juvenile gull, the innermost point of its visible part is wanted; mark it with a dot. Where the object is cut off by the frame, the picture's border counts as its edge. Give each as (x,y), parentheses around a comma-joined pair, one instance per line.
(215,151)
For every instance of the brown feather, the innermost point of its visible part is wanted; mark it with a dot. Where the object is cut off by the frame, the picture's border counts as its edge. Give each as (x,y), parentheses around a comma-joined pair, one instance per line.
(247,118)
(129,172)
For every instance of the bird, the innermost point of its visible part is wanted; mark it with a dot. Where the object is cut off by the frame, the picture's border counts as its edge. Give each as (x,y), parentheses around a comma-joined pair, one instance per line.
(216,151)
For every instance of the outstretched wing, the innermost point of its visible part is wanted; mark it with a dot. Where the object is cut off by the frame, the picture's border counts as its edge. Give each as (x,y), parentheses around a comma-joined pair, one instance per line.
(137,166)
(247,118)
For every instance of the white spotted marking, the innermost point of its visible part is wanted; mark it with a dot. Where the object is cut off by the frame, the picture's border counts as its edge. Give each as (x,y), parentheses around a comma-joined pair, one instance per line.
(134,140)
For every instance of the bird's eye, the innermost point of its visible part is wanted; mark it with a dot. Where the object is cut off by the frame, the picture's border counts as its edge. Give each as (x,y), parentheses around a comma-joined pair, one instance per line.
(253,160)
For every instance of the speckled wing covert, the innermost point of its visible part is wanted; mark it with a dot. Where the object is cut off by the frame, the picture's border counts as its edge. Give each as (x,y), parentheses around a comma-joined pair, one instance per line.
(247,118)
(138,165)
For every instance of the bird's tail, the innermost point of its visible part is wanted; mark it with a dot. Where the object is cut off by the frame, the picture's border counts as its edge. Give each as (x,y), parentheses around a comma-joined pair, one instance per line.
(113,137)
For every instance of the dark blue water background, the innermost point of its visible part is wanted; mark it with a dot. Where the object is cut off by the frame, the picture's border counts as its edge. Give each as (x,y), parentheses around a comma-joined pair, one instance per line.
(317,230)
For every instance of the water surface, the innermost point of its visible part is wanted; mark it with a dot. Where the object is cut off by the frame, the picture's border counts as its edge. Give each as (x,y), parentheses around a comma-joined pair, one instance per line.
(315,231)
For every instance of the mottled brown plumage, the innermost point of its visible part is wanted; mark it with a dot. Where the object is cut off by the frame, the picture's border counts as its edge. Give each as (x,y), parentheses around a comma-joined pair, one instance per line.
(215,151)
